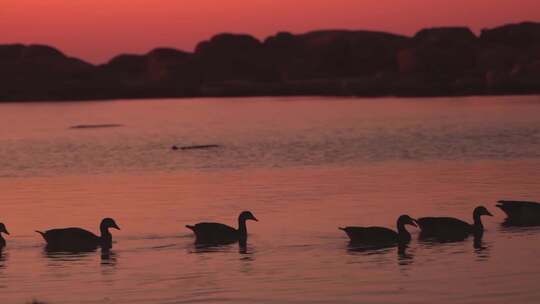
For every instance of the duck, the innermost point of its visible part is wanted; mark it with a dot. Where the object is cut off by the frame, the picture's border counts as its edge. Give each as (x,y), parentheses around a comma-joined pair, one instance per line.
(381,235)
(449,228)
(520,213)
(3,230)
(78,239)
(217,233)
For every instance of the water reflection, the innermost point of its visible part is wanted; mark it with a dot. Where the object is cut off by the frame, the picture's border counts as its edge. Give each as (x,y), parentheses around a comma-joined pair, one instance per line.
(405,257)
(59,255)
(481,248)
(247,258)
(478,236)
(369,249)
(243,248)
(208,248)
(519,229)
(448,237)
(3,258)
(108,257)
(247,251)
(520,223)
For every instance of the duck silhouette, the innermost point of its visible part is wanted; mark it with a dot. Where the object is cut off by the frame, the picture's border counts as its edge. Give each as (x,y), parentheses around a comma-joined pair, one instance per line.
(452,229)
(381,235)
(217,233)
(78,239)
(520,213)
(3,230)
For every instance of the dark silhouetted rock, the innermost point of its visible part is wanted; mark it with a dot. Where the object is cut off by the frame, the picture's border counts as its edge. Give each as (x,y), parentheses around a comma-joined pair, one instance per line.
(332,54)
(39,72)
(436,61)
(165,64)
(509,58)
(521,35)
(231,57)
(445,36)
(440,53)
(160,73)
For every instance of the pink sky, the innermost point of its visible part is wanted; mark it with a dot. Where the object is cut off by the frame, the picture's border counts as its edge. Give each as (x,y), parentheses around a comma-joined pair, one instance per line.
(96,30)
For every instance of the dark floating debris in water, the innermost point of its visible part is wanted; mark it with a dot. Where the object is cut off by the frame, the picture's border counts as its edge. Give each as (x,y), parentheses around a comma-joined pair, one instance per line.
(95,126)
(195,147)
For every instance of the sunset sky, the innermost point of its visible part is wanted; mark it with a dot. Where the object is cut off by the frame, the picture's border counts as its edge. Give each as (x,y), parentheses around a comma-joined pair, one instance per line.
(96,30)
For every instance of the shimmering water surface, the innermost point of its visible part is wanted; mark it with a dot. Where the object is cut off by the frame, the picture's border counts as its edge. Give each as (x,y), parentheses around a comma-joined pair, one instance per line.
(303,166)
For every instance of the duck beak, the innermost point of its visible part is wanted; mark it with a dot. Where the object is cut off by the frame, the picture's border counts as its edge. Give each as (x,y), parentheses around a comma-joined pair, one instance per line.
(6,232)
(413,223)
(488,213)
(255,219)
(115,226)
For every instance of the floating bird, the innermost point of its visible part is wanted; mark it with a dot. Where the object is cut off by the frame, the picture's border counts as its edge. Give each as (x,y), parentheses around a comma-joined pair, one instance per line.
(2,230)
(449,228)
(77,239)
(217,233)
(381,235)
(520,213)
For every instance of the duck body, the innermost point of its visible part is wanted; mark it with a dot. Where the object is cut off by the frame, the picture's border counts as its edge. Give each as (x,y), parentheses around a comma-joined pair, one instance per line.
(78,239)
(520,212)
(3,230)
(449,228)
(373,235)
(214,233)
(444,227)
(71,238)
(380,235)
(217,233)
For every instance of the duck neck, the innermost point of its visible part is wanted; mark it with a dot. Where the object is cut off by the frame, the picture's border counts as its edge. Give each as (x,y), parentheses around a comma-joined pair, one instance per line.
(242,230)
(478,222)
(106,237)
(403,234)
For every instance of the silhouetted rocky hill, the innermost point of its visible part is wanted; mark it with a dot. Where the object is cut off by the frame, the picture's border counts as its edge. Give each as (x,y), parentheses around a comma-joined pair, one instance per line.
(434,62)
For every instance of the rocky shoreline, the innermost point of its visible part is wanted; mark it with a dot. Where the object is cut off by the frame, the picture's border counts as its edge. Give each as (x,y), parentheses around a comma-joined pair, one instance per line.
(448,61)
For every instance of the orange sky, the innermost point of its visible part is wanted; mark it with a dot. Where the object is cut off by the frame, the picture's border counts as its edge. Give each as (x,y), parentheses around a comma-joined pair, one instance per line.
(95,30)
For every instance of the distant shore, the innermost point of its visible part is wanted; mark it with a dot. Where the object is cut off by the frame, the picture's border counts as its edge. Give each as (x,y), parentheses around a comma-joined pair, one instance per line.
(447,61)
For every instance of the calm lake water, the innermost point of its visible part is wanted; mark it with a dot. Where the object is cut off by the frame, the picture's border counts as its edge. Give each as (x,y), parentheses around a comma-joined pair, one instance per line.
(303,166)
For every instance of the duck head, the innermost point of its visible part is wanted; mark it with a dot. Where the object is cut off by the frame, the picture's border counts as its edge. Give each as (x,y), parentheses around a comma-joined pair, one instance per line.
(3,228)
(247,215)
(406,220)
(481,210)
(107,223)
(477,214)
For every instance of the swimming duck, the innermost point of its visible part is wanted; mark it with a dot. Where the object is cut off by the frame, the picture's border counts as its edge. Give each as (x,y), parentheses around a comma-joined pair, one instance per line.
(217,233)
(449,228)
(75,239)
(3,230)
(381,235)
(520,212)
